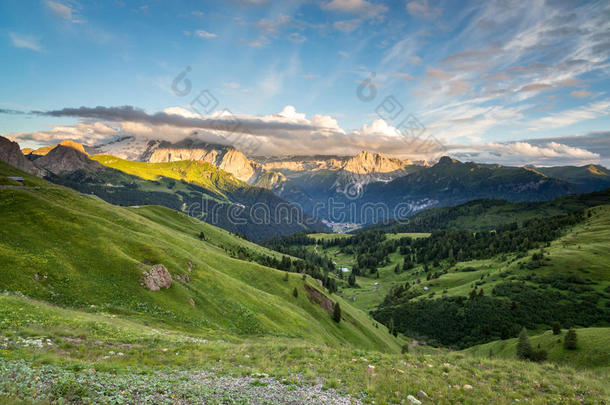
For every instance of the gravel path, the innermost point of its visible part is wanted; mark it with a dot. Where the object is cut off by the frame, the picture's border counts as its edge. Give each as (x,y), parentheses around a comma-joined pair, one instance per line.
(21,380)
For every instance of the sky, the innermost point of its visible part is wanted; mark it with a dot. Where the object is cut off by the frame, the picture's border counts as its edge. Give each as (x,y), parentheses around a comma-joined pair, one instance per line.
(512,82)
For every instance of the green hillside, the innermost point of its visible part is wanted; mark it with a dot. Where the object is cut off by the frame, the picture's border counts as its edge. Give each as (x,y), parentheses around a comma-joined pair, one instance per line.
(76,251)
(197,188)
(489,214)
(464,288)
(76,326)
(592,351)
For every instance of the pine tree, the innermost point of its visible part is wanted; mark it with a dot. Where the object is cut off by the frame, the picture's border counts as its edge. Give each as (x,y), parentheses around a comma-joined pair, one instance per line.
(556,328)
(524,347)
(397,269)
(201,235)
(351,280)
(285,276)
(337,313)
(295,293)
(570,341)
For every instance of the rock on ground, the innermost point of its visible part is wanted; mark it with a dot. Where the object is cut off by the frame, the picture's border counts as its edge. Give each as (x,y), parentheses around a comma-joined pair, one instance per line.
(156,278)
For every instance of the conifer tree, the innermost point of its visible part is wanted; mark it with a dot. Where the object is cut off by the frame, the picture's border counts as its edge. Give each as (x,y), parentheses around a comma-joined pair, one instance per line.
(556,328)
(570,342)
(524,347)
(337,313)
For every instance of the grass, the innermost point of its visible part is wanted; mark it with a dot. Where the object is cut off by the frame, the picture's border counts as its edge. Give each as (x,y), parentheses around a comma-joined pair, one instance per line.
(75,251)
(195,172)
(75,324)
(107,356)
(592,351)
(581,251)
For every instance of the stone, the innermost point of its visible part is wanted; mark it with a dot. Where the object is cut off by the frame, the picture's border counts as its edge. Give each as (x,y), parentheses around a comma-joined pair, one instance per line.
(156,278)
(413,400)
(422,395)
(371,370)
(467,386)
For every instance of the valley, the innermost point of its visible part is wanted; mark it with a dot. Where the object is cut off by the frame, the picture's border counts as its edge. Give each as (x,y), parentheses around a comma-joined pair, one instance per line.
(410,292)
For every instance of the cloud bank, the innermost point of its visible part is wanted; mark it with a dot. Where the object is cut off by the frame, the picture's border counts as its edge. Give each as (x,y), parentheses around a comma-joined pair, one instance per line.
(290,132)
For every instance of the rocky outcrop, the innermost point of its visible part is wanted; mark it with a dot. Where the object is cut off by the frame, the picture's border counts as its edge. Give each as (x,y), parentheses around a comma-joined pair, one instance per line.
(68,156)
(11,153)
(224,157)
(156,278)
(362,163)
(366,162)
(305,163)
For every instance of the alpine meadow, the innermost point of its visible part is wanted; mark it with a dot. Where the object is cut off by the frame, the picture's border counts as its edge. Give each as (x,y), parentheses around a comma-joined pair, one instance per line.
(304,202)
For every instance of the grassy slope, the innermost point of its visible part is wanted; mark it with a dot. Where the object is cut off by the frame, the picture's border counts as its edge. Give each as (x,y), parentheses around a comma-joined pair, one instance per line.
(96,354)
(488,214)
(93,254)
(245,320)
(592,351)
(582,251)
(200,173)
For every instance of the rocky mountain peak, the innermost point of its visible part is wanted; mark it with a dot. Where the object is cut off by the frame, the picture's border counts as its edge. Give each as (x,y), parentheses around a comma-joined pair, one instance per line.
(367,162)
(225,157)
(11,153)
(67,158)
(73,145)
(446,161)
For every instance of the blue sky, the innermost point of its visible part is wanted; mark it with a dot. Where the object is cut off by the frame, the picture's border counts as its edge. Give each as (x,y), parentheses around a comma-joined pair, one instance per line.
(479,76)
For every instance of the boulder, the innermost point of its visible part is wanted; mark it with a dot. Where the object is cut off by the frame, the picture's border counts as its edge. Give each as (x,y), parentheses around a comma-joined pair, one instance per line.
(156,278)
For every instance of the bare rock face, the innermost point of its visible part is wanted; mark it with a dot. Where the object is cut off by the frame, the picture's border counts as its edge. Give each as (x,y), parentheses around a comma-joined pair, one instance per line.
(366,162)
(68,156)
(224,157)
(11,154)
(156,278)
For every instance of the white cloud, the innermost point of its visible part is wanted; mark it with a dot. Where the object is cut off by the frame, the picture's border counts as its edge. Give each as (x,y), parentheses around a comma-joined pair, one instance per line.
(347,25)
(520,153)
(297,38)
(581,93)
(25,42)
(268,26)
(63,11)
(573,116)
(292,132)
(205,34)
(378,127)
(421,8)
(361,7)
(550,150)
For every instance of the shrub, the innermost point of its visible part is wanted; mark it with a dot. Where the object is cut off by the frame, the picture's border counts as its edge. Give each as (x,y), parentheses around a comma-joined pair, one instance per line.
(538,356)
(570,341)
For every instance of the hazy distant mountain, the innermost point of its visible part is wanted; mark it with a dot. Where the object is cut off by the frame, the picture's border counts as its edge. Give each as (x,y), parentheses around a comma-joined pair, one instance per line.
(195,187)
(584,178)
(368,187)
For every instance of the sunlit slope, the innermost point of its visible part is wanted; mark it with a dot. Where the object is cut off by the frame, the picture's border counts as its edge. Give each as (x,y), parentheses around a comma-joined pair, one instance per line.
(77,251)
(593,349)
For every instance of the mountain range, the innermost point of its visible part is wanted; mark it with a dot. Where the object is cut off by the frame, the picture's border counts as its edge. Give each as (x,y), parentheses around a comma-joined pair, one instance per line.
(342,192)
